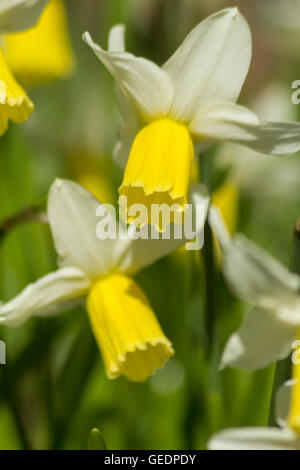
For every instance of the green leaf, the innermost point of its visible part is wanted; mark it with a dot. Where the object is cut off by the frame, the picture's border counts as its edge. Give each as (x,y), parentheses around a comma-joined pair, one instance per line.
(96,440)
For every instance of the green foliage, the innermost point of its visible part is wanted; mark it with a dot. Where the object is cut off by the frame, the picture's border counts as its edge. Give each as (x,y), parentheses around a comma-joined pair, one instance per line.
(96,440)
(53,387)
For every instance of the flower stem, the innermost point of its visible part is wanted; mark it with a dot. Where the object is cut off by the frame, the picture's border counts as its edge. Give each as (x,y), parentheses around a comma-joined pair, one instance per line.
(281,374)
(295,255)
(28,214)
(210,307)
(206,177)
(12,401)
(283,367)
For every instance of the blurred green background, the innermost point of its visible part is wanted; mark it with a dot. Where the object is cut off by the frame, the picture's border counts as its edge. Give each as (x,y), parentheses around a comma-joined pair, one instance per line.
(53,389)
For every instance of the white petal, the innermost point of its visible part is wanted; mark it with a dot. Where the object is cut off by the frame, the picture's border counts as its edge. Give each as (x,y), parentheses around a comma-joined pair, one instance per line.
(218,225)
(129,128)
(145,85)
(254,275)
(211,65)
(143,252)
(116,43)
(256,438)
(123,146)
(283,402)
(262,339)
(116,40)
(17,15)
(224,121)
(131,122)
(73,220)
(233,123)
(49,295)
(257,277)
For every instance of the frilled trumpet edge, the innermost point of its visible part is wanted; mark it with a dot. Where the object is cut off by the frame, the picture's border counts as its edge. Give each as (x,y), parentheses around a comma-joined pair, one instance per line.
(129,336)
(14,102)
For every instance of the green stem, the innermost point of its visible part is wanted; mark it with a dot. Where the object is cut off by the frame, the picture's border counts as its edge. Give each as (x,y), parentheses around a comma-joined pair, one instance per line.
(28,214)
(210,306)
(72,382)
(13,403)
(283,367)
(281,374)
(206,177)
(214,396)
(295,255)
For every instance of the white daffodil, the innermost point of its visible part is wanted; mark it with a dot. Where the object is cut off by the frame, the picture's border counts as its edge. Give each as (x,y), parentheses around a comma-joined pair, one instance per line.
(189,100)
(287,437)
(268,331)
(257,173)
(98,271)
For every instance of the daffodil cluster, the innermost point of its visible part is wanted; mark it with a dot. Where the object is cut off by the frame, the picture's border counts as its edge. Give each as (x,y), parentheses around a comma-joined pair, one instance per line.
(169,112)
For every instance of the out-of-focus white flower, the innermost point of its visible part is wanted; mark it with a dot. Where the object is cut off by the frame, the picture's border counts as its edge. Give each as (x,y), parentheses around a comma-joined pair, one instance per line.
(258,174)
(189,100)
(17,15)
(280,23)
(99,271)
(281,14)
(287,437)
(268,331)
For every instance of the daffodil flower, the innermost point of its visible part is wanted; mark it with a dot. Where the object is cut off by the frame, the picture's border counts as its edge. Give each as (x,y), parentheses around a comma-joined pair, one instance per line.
(15,15)
(286,437)
(99,272)
(189,100)
(34,59)
(268,331)
(14,102)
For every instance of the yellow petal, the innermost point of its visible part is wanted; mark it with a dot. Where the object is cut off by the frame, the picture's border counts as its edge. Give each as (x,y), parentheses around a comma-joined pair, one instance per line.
(158,170)
(128,334)
(294,415)
(97,185)
(226,199)
(93,172)
(14,103)
(43,52)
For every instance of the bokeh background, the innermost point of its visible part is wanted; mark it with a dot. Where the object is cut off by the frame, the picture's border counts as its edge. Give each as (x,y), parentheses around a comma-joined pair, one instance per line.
(53,389)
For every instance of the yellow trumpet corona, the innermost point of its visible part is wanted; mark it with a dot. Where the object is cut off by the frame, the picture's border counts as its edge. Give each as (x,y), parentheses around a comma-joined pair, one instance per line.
(43,52)
(127,332)
(159,167)
(294,415)
(14,102)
